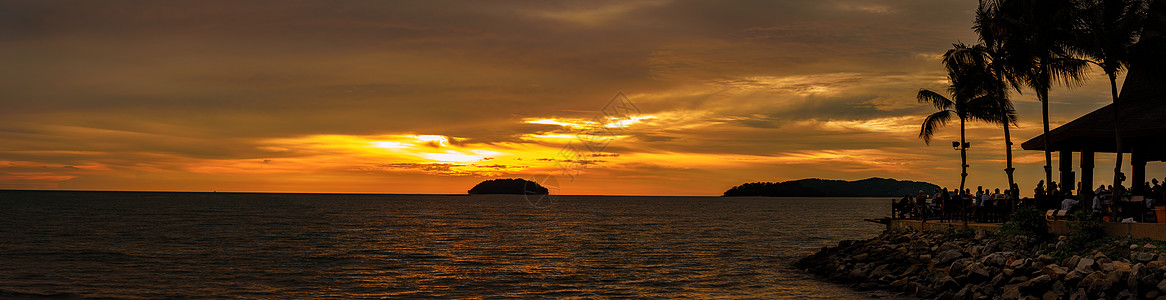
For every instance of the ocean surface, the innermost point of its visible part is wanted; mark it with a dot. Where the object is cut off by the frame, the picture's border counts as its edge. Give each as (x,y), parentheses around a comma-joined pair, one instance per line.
(114,245)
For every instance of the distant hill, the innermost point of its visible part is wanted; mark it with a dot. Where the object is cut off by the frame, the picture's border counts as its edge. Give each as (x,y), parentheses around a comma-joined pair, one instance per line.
(870,187)
(516,186)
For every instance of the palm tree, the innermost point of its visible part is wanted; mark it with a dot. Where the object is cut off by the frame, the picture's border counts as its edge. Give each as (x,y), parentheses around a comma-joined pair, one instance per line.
(973,98)
(1107,31)
(1035,37)
(996,80)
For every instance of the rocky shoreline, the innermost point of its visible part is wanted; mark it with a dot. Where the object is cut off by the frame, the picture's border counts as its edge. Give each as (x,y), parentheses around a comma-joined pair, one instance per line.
(985,265)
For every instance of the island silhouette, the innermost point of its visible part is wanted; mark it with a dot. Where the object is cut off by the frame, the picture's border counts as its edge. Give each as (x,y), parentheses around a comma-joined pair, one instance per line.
(814,187)
(516,186)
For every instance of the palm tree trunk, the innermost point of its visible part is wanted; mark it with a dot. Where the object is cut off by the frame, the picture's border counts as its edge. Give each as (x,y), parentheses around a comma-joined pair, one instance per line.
(963,157)
(1116,132)
(1043,96)
(1007,148)
(963,174)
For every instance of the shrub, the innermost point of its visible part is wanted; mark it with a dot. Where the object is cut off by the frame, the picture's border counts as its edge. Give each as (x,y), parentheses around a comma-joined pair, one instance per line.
(1085,232)
(1027,221)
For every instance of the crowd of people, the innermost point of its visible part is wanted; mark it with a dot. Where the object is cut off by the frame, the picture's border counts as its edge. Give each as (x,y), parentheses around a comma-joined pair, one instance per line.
(942,204)
(993,205)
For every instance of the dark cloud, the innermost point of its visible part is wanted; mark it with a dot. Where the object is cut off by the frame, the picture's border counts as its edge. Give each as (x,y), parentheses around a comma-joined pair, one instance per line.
(133,84)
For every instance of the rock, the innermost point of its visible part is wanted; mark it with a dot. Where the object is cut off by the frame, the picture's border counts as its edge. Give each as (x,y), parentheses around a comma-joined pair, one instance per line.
(947,257)
(1152,294)
(1107,267)
(958,266)
(1058,271)
(1149,247)
(1045,258)
(1099,286)
(947,283)
(1135,275)
(1011,291)
(994,259)
(898,284)
(1059,287)
(1018,263)
(1085,265)
(1073,276)
(1050,295)
(997,280)
(880,271)
(978,272)
(1037,284)
(1134,247)
(982,234)
(1119,275)
(1162,285)
(1079,295)
(963,293)
(861,257)
(1143,257)
(1071,262)
(925,292)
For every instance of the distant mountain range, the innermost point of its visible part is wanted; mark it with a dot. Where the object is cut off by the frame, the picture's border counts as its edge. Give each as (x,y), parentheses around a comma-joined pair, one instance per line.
(870,187)
(509,186)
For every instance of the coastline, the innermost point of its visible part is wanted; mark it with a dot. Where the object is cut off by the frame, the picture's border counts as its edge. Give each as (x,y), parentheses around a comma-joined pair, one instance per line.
(987,265)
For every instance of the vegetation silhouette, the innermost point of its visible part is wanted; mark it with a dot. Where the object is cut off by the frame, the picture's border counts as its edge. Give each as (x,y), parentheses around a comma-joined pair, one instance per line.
(1109,31)
(870,187)
(1037,35)
(1041,43)
(974,97)
(515,186)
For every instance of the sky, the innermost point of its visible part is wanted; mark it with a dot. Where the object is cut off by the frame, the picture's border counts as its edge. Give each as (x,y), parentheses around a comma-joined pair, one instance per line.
(605,97)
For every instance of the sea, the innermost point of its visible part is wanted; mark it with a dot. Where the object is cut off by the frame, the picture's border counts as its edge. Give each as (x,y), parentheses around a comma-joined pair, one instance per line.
(149,245)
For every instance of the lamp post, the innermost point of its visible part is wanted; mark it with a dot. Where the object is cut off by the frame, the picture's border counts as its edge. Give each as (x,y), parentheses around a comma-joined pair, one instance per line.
(963,148)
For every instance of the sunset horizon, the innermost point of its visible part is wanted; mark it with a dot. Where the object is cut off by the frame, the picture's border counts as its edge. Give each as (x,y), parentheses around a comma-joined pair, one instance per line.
(420,97)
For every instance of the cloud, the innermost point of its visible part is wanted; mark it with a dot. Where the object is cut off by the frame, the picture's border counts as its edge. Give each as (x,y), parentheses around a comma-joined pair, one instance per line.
(422,96)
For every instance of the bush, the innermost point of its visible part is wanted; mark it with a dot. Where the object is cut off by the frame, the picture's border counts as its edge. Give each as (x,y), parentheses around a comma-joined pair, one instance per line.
(1085,232)
(1027,221)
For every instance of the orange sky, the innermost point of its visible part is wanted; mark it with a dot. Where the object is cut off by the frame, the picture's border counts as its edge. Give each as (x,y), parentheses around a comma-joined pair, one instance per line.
(435,96)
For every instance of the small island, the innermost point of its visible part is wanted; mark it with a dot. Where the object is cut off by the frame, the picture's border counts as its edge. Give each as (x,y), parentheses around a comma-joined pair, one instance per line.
(515,186)
(870,187)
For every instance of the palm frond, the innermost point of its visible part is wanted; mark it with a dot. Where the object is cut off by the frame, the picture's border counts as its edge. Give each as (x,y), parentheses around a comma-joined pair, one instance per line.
(935,99)
(933,123)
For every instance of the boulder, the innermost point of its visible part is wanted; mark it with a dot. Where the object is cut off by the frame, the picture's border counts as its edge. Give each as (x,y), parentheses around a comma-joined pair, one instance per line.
(1143,257)
(1055,271)
(947,257)
(994,259)
(1084,265)
(947,283)
(1011,291)
(1099,286)
(1079,295)
(997,280)
(978,272)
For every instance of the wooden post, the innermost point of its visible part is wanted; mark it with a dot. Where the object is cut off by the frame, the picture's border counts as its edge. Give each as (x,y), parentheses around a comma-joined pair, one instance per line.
(1138,164)
(1068,183)
(1086,174)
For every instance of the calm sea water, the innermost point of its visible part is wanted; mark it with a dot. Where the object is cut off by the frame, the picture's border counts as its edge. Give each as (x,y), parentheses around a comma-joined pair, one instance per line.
(262,246)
